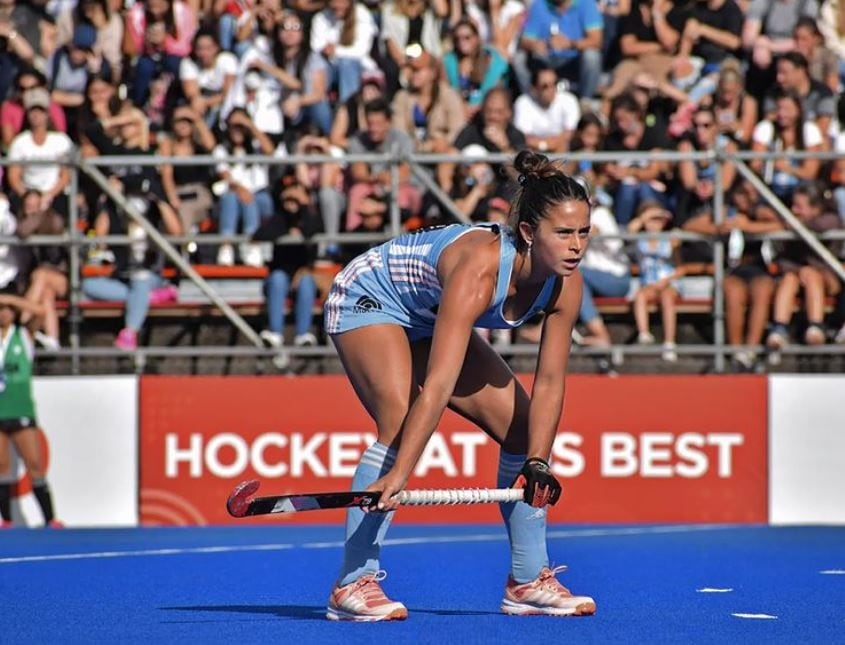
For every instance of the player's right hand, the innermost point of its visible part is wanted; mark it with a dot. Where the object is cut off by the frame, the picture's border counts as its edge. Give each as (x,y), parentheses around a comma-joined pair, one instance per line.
(389,485)
(538,482)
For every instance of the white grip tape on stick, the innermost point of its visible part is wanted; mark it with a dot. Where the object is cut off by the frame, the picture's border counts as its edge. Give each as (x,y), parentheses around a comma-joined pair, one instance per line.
(459,496)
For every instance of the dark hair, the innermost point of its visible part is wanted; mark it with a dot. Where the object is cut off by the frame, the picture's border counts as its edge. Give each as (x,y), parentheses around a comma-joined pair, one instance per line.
(587,119)
(791,95)
(797,59)
(810,23)
(539,69)
(628,102)
(377,106)
(279,47)
(814,193)
(543,183)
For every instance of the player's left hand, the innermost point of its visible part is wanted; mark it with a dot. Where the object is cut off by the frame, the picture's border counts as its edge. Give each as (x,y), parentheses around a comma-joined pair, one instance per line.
(540,485)
(388,486)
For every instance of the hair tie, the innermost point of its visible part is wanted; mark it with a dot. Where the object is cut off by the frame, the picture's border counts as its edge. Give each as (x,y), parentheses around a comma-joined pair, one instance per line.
(521,179)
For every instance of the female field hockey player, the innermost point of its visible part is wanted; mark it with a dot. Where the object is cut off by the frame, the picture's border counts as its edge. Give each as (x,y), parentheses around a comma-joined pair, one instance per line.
(402,315)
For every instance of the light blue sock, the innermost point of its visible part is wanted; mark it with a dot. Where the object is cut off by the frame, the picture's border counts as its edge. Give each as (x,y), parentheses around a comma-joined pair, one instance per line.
(365,531)
(526,525)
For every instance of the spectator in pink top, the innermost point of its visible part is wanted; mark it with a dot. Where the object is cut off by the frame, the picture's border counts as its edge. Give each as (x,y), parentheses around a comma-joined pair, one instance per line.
(12,111)
(160,34)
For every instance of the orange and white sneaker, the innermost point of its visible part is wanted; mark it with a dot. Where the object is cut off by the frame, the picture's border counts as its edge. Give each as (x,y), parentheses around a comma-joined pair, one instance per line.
(364,601)
(545,596)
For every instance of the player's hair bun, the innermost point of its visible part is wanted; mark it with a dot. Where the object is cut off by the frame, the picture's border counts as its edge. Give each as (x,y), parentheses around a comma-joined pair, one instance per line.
(533,166)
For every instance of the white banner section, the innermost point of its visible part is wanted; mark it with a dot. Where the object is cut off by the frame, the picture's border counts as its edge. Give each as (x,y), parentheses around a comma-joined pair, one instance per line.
(91,430)
(807,449)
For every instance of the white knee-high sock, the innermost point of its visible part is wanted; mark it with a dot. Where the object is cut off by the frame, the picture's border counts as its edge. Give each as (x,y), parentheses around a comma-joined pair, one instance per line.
(365,531)
(526,525)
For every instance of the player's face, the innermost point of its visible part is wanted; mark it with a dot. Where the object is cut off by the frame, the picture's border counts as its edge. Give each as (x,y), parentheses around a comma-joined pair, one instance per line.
(560,239)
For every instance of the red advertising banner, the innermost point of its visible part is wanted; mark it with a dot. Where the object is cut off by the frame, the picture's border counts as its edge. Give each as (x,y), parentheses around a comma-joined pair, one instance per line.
(629,449)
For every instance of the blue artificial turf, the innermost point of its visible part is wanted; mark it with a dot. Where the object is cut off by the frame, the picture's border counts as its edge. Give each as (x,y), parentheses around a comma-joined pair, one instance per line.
(270,584)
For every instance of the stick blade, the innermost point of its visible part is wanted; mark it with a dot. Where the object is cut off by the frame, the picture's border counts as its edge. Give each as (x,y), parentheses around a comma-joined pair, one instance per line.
(241,497)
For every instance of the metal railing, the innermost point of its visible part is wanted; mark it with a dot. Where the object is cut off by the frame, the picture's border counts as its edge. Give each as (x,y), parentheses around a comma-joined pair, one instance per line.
(418,163)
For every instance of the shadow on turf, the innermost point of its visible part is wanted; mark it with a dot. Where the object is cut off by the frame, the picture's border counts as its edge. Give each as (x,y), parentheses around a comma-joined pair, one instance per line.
(308,612)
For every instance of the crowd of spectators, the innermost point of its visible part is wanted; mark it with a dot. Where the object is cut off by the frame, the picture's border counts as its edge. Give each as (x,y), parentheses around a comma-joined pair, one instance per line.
(233,78)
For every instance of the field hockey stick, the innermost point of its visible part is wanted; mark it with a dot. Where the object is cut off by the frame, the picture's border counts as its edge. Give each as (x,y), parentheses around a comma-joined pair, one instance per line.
(242,503)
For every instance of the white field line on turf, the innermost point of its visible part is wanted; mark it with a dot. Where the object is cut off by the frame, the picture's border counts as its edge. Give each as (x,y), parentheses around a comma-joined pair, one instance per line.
(714,590)
(833,572)
(490,537)
(760,616)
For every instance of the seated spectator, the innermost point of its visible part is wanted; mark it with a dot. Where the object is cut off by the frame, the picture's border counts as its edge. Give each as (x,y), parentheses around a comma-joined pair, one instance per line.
(371,183)
(343,33)
(68,72)
(12,261)
(606,272)
(137,277)
(48,267)
(159,35)
(749,287)
(207,76)
(108,26)
(12,112)
(768,34)
(302,75)
(234,23)
(658,276)
(818,103)
(735,109)
(589,137)
(39,142)
(499,22)
(324,180)
(546,116)
(290,268)
(186,186)
(350,119)
(802,270)
(711,34)
(633,182)
(409,28)
(428,110)
(475,184)
(566,36)
(648,39)
(244,195)
(823,62)
(788,130)
(832,27)
(24,32)
(472,68)
(612,11)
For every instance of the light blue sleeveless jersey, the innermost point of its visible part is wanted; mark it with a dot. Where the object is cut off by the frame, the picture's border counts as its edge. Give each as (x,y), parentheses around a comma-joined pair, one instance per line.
(397,283)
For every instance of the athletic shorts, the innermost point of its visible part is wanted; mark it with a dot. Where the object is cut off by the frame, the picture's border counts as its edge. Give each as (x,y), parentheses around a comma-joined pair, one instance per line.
(11,426)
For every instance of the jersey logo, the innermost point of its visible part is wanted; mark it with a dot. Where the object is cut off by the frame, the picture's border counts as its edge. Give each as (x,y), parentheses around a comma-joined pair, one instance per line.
(365,304)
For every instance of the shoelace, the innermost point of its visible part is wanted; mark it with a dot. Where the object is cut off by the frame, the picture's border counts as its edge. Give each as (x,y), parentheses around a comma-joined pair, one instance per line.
(549,580)
(367,590)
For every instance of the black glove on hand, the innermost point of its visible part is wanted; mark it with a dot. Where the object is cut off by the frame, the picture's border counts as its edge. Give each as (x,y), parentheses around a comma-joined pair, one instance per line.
(540,485)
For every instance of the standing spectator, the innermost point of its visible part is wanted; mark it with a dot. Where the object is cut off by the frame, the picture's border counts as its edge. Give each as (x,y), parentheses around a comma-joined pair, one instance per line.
(749,287)
(302,75)
(245,196)
(818,103)
(40,142)
(48,267)
(343,33)
(648,39)
(606,272)
(159,35)
(633,181)
(567,36)
(289,268)
(12,112)
(801,269)
(107,24)
(472,68)
(658,275)
(18,422)
(768,33)
(429,110)
(823,62)
(186,186)
(69,69)
(371,183)
(499,22)
(546,116)
(787,131)
(207,76)
(711,34)
(409,28)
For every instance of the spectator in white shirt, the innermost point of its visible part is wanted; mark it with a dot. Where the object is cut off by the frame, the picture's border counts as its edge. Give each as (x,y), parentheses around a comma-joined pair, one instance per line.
(343,33)
(207,76)
(547,117)
(41,143)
